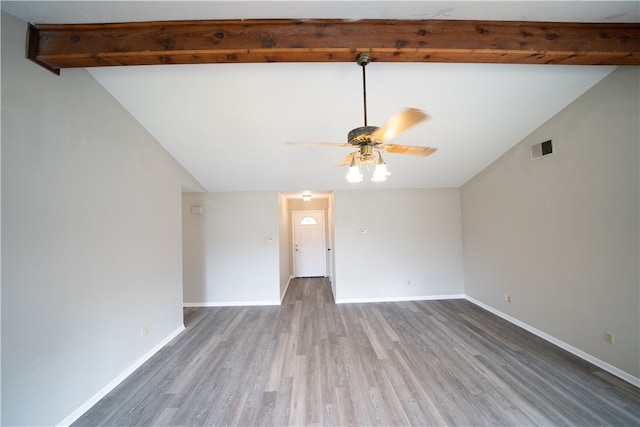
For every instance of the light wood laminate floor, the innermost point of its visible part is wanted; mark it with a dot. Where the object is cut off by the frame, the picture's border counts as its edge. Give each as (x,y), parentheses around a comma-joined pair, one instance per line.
(312,362)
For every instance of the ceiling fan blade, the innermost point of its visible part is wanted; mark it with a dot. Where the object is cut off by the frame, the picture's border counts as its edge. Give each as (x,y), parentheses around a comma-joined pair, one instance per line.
(346,160)
(398,124)
(407,149)
(328,144)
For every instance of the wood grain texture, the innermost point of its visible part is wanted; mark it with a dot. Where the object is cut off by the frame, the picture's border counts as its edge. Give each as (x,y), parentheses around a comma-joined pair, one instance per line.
(330,40)
(312,362)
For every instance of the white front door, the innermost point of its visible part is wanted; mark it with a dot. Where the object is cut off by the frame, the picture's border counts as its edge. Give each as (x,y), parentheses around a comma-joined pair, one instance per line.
(309,254)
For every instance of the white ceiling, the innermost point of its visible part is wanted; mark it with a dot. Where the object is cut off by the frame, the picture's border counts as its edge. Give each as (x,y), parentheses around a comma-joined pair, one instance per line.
(227,123)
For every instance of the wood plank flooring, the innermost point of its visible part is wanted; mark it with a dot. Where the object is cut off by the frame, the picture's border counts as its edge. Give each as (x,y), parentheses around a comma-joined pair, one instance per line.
(312,362)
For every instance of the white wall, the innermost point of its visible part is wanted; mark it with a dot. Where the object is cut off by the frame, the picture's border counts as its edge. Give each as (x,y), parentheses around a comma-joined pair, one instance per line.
(91,239)
(227,259)
(0,257)
(412,235)
(560,234)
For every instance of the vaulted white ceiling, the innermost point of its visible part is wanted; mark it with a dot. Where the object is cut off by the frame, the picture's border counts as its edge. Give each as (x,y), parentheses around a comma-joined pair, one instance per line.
(228,123)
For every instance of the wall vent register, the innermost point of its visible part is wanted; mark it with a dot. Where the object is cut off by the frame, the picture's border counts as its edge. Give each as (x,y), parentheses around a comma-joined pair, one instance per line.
(541,149)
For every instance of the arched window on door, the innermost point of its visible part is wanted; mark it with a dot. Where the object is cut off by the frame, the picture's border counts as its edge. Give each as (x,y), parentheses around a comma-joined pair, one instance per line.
(308,220)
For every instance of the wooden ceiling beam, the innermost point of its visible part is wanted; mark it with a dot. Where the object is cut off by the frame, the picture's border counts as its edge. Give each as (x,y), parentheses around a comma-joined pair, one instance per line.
(241,41)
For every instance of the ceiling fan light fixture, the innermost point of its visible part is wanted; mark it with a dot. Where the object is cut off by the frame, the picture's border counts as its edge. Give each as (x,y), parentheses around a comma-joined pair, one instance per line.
(354,175)
(380,173)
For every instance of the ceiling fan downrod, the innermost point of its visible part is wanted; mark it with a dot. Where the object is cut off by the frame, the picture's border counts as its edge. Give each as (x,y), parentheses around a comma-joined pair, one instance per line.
(363,59)
(362,135)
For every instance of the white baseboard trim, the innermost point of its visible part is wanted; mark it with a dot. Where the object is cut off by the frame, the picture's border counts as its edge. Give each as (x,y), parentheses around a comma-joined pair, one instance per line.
(71,418)
(230,303)
(563,345)
(396,299)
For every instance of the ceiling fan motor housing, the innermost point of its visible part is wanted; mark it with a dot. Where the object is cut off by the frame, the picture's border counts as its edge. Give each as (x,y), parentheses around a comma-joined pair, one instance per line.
(361,135)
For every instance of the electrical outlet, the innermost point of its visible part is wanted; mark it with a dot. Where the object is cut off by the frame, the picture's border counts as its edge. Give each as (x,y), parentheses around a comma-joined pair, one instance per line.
(144,332)
(609,338)
(507,298)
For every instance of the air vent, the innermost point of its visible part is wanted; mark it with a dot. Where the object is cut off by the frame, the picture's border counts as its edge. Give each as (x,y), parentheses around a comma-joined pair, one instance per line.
(542,149)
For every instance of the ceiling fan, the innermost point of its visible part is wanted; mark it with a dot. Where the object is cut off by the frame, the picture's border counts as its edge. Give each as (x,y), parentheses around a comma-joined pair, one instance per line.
(372,140)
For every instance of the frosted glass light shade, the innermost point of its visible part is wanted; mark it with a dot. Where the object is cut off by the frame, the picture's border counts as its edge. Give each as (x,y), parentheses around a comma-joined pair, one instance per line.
(380,173)
(354,174)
